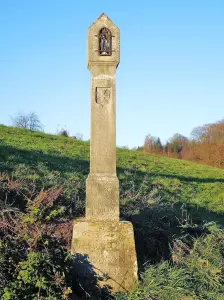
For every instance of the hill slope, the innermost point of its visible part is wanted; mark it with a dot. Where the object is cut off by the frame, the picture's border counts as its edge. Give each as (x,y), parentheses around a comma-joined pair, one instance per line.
(52,159)
(175,206)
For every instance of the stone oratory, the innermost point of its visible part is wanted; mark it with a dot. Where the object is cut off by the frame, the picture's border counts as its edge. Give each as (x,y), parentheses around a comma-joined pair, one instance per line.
(103,247)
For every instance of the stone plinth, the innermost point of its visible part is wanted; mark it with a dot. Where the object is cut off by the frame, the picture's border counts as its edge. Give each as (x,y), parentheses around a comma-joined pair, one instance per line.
(104,255)
(102,198)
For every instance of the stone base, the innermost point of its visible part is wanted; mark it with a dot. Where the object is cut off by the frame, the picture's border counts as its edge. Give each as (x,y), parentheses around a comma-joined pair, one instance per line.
(104,256)
(102,197)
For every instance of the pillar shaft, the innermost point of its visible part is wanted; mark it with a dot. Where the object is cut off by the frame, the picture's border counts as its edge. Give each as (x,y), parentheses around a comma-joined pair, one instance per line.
(102,187)
(103,118)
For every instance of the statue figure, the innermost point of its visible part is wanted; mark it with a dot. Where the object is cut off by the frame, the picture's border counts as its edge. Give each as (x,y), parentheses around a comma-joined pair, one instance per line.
(105,44)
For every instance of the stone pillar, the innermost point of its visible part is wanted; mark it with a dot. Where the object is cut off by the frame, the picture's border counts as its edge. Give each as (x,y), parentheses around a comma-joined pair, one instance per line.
(102,191)
(102,196)
(100,240)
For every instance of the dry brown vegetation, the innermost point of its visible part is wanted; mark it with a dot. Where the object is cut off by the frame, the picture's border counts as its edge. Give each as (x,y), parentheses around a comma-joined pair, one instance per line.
(206,145)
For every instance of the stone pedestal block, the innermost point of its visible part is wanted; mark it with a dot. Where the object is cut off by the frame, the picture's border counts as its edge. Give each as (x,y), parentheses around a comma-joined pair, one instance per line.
(102,198)
(104,256)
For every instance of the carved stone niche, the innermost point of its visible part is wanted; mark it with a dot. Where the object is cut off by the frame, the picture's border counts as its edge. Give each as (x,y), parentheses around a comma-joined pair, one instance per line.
(103,43)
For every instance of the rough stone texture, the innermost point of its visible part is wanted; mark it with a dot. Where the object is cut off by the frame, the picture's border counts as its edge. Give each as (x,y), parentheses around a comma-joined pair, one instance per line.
(104,253)
(102,246)
(92,42)
(102,196)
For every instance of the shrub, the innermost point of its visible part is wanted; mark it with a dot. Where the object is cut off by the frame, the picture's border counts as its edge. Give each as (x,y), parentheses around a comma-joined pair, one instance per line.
(35,260)
(194,273)
(29,121)
(64,132)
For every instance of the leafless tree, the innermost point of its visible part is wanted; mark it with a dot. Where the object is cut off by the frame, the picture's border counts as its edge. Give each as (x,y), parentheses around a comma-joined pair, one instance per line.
(29,121)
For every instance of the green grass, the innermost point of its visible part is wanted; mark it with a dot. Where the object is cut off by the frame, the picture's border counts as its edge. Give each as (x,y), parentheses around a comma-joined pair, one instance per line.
(169,201)
(52,160)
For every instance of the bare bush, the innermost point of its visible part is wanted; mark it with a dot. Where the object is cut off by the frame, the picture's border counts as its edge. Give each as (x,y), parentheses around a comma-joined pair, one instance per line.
(29,121)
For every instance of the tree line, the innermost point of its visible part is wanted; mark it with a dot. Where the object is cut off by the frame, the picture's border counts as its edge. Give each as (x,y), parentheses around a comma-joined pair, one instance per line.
(205,146)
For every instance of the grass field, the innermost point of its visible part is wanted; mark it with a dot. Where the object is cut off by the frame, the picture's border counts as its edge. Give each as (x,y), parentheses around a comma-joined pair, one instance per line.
(167,200)
(52,159)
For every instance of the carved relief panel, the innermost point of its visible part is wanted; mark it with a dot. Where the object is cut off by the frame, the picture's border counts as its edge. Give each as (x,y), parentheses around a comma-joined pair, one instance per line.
(103,95)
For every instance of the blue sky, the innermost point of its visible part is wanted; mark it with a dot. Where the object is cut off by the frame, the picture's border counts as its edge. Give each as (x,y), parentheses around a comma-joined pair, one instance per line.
(170,78)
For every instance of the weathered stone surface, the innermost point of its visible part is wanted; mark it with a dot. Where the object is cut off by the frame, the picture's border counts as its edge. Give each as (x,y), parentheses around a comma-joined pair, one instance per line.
(102,198)
(102,188)
(105,250)
(93,56)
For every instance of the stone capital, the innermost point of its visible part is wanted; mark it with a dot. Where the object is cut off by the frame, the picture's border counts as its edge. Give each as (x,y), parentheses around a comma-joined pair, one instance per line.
(94,55)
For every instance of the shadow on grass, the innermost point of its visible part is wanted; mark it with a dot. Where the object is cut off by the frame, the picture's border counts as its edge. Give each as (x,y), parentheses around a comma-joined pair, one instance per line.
(11,157)
(85,283)
(156,226)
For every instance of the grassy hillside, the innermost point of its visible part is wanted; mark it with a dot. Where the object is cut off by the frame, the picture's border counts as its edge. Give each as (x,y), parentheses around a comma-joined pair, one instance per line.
(50,159)
(170,203)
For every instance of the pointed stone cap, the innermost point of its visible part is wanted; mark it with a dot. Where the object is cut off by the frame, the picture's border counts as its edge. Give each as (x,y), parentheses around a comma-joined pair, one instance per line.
(94,55)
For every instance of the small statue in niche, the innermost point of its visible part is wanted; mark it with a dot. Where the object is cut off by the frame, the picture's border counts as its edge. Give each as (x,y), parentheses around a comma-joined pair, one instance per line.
(105,42)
